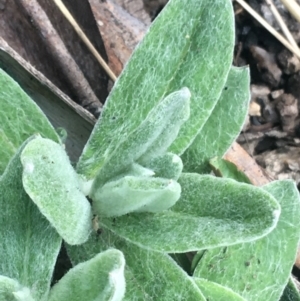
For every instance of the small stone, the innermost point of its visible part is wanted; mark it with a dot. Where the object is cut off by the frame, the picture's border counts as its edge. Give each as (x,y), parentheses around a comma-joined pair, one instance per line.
(288,62)
(275,94)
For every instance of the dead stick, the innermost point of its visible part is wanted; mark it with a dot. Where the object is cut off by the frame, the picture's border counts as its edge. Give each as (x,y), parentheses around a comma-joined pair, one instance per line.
(59,51)
(293,7)
(282,24)
(268,27)
(84,38)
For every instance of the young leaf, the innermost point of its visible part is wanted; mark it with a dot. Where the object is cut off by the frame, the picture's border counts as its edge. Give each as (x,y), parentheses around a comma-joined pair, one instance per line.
(136,170)
(11,290)
(52,184)
(149,139)
(149,275)
(20,118)
(168,166)
(216,292)
(100,278)
(135,194)
(223,125)
(211,212)
(194,51)
(29,245)
(226,169)
(259,270)
(179,114)
(155,276)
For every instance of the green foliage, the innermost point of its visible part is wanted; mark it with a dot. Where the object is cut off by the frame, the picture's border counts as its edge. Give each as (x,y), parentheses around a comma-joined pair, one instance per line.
(55,190)
(226,169)
(11,290)
(215,292)
(137,194)
(149,275)
(150,139)
(170,111)
(83,282)
(26,238)
(170,281)
(167,166)
(291,292)
(20,118)
(223,125)
(259,270)
(208,214)
(189,45)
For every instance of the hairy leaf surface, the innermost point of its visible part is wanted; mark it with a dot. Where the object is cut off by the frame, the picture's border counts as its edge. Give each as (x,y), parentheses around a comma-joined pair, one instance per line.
(149,140)
(291,292)
(11,290)
(211,212)
(260,270)
(29,245)
(226,169)
(190,45)
(216,292)
(168,166)
(223,125)
(149,275)
(100,278)
(135,194)
(20,118)
(52,184)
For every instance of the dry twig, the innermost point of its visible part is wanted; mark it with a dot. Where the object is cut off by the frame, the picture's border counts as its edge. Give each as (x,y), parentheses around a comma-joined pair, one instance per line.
(59,51)
(282,24)
(293,7)
(273,31)
(84,38)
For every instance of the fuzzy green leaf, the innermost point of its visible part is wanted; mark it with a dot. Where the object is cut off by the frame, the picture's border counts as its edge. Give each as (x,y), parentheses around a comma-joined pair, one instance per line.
(172,112)
(29,245)
(216,292)
(226,169)
(99,279)
(135,194)
(259,270)
(136,170)
(291,292)
(20,118)
(168,166)
(223,125)
(155,276)
(211,212)
(11,290)
(52,184)
(149,139)
(190,44)
(149,275)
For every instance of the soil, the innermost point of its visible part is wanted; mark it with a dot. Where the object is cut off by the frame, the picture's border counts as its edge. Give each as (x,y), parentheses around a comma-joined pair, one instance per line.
(271,134)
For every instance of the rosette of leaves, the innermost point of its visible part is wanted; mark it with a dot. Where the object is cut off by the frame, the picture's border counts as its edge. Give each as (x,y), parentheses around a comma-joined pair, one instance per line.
(131,166)
(144,166)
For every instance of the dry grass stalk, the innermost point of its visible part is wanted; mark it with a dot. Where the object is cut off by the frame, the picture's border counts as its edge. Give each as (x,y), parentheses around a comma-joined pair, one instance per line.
(293,7)
(282,24)
(272,30)
(84,38)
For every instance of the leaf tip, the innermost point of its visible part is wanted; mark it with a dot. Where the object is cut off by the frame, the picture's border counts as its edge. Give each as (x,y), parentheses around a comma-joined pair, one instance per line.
(186,93)
(276,215)
(28,167)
